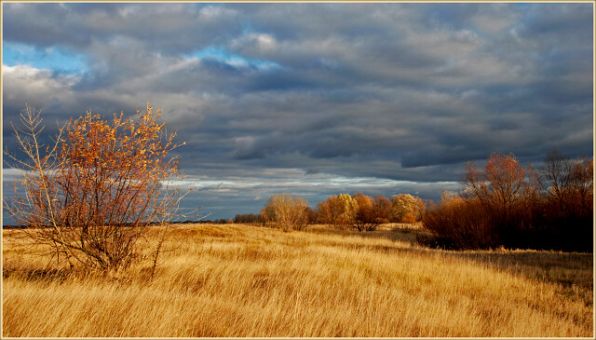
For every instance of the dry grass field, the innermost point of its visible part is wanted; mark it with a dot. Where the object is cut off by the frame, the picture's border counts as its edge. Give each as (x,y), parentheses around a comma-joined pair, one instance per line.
(240,280)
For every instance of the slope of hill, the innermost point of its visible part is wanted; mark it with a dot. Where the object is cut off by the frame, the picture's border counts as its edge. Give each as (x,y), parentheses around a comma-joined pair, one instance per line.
(240,280)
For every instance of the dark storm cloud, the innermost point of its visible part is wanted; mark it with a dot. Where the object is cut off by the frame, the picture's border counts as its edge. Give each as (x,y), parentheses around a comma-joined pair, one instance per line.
(403,92)
(165,28)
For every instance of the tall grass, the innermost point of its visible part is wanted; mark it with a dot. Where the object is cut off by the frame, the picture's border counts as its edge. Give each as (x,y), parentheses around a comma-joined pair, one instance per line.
(237,280)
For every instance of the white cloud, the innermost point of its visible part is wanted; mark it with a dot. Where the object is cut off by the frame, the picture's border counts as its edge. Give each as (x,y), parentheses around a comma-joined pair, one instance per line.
(273,179)
(215,12)
(41,88)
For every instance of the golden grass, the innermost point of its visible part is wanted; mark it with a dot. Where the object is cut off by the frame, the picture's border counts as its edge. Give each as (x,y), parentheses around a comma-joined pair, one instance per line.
(238,280)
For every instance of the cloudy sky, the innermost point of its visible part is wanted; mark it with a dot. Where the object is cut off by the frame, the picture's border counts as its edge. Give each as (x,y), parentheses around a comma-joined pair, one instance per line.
(314,99)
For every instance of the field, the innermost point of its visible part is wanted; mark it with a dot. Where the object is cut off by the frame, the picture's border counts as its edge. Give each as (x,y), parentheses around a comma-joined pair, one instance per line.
(240,280)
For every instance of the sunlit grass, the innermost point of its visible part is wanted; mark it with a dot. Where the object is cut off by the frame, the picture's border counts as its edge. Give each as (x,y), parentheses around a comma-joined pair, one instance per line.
(238,280)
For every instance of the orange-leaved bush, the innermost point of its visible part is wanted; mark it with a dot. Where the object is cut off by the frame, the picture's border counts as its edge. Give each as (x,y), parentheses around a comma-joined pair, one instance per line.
(506,204)
(91,195)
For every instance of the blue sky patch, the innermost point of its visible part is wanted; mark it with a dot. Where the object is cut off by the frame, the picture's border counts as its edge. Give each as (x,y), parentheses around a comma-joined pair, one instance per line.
(52,58)
(224,56)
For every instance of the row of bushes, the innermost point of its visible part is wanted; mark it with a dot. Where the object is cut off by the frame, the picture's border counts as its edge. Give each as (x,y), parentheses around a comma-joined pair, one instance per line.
(509,205)
(360,212)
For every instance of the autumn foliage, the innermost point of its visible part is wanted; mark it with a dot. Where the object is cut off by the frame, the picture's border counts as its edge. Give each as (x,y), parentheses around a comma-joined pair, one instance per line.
(91,195)
(365,213)
(339,211)
(506,204)
(406,208)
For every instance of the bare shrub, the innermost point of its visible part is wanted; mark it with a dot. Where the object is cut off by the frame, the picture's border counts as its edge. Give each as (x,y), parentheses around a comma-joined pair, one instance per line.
(91,195)
(286,212)
(570,182)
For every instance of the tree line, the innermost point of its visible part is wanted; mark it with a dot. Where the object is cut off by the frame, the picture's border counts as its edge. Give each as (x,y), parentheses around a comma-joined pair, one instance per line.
(343,211)
(507,204)
(503,204)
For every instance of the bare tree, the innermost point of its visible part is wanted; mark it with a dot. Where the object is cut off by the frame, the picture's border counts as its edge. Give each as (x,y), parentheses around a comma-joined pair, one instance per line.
(569,183)
(286,212)
(501,184)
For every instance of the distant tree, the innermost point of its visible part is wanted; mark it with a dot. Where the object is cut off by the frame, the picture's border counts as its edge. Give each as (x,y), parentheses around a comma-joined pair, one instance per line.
(286,212)
(383,209)
(406,208)
(326,212)
(501,184)
(366,218)
(567,215)
(348,209)
(569,182)
(339,211)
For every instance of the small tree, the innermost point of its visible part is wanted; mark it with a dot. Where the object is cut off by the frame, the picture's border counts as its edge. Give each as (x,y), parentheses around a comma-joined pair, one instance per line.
(501,184)
(370,213)
(348,207)
(327,211)
(91,194)
(406,208)
(569,182)
(383,209)
(366,218)
(286,212)
(339,211)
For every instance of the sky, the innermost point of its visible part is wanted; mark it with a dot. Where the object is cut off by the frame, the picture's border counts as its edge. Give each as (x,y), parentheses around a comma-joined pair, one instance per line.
(313,99)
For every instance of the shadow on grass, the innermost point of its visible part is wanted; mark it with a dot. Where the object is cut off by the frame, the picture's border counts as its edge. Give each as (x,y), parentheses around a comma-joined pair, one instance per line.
(572,271)
(395,232)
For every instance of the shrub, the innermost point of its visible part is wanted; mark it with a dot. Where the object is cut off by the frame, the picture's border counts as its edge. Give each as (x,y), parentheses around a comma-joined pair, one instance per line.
(508,205)
(91,194)
(459,223)
(406,208)
(339,211)
(286,212)
(370,213)
(382,209)
(366,218)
